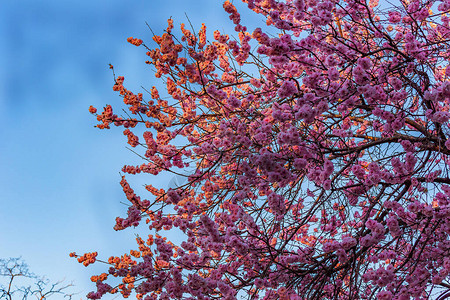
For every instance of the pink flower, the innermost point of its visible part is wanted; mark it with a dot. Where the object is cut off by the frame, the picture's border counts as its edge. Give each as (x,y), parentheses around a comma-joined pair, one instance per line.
(394,17)
(173,196)
(396,83)
(348,242)
(233,102)
(440,116)
(384,295)
(333,74)
(287,89)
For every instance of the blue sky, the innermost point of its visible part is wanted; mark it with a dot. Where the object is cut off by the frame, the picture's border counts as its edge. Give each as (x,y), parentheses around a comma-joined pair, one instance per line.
(59,180)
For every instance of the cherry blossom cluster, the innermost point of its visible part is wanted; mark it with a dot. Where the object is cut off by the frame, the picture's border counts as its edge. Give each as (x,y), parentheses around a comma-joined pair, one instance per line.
(134,41)
(86,259)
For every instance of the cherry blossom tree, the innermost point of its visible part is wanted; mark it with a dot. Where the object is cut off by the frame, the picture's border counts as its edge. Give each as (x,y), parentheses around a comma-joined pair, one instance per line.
(18,282)
(319,146)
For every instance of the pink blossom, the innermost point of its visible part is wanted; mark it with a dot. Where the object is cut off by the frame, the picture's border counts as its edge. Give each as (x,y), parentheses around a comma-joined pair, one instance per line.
(384,295)
(234,102)
(333,74)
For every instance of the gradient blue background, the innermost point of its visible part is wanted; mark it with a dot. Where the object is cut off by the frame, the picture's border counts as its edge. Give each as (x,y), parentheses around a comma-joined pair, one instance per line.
(59,179)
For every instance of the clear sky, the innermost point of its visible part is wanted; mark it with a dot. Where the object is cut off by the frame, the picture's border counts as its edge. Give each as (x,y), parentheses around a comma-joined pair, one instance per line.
(59,179)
